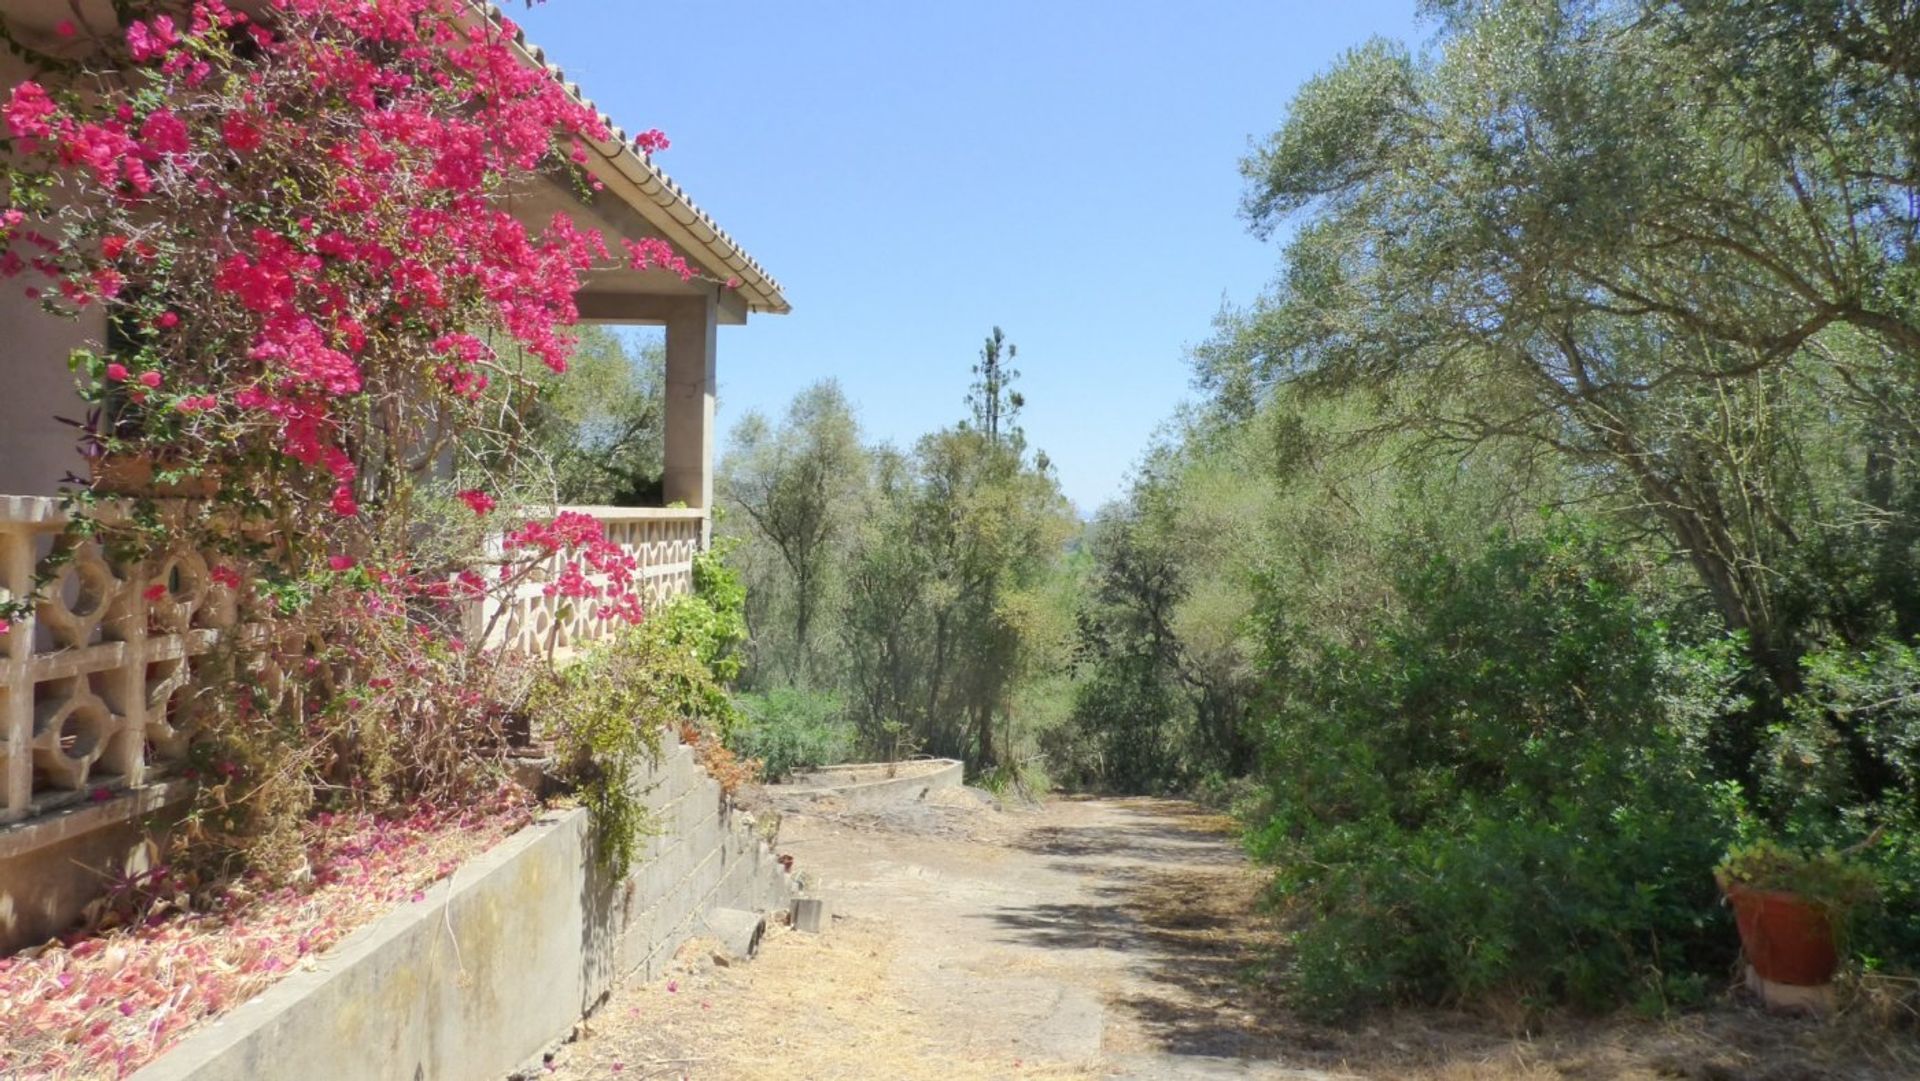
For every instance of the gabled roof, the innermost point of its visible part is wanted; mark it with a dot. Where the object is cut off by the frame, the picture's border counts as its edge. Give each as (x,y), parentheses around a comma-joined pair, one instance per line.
(631,173)
(628,173)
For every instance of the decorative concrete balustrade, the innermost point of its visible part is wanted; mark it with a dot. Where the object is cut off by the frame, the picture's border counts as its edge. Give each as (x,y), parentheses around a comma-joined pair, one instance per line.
(99,682)
(96,680)
(537,623)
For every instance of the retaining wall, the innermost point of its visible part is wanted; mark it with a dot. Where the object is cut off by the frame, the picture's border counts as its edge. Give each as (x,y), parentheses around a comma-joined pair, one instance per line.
(866,786)
(503,958)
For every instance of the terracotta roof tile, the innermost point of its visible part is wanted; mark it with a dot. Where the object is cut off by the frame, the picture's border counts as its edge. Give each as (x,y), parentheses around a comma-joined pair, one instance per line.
(762,290)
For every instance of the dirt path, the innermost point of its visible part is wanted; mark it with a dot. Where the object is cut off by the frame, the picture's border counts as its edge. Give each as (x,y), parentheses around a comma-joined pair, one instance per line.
(1083,939)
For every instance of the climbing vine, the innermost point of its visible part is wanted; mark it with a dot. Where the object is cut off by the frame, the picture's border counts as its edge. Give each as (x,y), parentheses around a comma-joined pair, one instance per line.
(323,315)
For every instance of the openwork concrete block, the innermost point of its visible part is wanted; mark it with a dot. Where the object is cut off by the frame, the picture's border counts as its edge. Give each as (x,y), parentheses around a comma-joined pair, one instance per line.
(100,688)
(72,728)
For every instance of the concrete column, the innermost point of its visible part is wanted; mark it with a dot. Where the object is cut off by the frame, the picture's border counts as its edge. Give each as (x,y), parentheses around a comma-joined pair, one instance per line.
(36,450)
(691,382)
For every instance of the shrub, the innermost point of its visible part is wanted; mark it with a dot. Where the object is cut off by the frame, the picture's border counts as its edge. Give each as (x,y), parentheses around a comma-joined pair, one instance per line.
(1498,791)
(789,729)
(1124,732)
(1024,778)
(1842,771)
(606,710)
(319,305)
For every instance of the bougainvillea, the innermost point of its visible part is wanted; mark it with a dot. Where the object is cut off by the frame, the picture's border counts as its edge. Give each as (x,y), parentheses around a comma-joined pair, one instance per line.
(322,307)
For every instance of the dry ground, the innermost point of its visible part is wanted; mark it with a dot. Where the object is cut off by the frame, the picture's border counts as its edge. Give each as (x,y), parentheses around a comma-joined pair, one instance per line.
(1100,939)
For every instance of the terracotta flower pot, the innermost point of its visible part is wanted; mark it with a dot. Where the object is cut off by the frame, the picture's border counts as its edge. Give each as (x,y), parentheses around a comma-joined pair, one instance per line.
(1788,938)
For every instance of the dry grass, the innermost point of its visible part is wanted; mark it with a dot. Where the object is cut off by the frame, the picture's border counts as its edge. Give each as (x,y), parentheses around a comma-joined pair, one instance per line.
(1211,917)
(851,1004)
(809,1008)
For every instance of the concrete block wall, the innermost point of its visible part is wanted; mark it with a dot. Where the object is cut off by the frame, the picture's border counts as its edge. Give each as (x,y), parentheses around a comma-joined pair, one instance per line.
(503,958)
(703,855)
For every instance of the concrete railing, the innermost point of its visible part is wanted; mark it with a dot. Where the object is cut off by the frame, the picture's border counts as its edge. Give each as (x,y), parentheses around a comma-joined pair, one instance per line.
(664,541)
(95,685)
(95,680)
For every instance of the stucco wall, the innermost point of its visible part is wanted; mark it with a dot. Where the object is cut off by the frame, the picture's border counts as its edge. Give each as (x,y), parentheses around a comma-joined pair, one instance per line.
(36,450)
(503,958)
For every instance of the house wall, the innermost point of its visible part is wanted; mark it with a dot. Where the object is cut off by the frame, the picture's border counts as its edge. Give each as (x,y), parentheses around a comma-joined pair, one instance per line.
(36,450)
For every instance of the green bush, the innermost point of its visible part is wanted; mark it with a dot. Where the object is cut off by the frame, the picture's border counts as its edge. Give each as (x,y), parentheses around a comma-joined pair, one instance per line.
(1124,735)
(603,714)
(604,711)
(1498,791)
(789,729)
(1842,771)
(1022,779)
(712,622)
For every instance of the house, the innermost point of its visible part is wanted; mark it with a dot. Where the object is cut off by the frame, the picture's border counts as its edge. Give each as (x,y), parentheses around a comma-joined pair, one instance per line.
(85,729)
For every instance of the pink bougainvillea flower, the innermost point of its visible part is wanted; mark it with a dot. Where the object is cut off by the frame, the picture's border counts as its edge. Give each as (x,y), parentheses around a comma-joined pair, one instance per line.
(28,110)
(240,134)
(477,501)
(167,321)
(117,373)
(163,132)
(223,575)
(112,246)
(343,503)
(650,251)
(5,625)
(150,380)
(156,592)
(340,563)
(152,39)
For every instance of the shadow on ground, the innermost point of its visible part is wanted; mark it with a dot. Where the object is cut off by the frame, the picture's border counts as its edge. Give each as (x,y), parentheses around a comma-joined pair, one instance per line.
(1175,896)
(1173,893)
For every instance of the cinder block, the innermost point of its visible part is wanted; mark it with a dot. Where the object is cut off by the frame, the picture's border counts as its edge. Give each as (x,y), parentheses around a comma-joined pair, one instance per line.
(738,930)
(810,914)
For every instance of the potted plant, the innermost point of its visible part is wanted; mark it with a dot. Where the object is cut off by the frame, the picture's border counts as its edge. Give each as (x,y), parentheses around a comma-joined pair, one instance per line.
(1788,905)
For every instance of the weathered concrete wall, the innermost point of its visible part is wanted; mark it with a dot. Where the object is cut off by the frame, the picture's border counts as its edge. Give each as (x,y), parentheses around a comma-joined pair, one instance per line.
(51,869)
(503,958)
(866,786)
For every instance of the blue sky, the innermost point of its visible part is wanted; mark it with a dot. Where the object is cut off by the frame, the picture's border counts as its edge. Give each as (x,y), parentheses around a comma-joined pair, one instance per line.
(914,174)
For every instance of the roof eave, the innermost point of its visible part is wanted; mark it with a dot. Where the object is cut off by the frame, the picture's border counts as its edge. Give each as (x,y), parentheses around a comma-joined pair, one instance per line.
(631,174)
